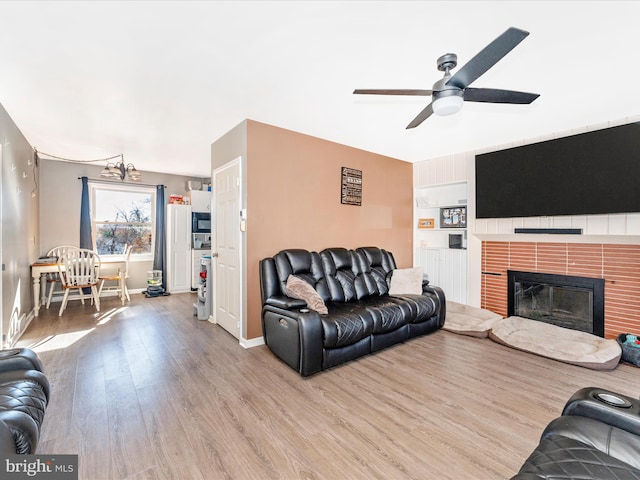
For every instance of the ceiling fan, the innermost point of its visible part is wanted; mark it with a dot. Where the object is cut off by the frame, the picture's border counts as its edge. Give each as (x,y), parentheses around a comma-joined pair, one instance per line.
(450,91)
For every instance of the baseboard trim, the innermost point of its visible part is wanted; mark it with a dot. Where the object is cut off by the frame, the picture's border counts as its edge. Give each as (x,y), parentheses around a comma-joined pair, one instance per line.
(24,324)
(254,342)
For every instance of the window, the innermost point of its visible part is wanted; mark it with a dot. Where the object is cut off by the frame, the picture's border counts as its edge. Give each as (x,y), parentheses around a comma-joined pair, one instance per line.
(123,215)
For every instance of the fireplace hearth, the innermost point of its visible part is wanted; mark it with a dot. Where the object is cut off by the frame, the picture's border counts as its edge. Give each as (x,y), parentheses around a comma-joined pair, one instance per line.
(567,301)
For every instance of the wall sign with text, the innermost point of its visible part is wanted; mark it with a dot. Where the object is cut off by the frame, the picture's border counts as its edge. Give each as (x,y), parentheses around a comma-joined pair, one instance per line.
(351,186)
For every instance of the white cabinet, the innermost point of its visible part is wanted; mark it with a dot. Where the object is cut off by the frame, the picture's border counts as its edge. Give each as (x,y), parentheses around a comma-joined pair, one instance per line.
(178,249)
(447,269)
(200,201)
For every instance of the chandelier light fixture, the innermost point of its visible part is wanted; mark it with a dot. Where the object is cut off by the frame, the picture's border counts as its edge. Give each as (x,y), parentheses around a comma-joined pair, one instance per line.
(119,170)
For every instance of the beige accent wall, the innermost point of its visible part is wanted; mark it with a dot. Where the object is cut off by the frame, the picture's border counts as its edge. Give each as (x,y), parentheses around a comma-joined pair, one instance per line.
(293,201)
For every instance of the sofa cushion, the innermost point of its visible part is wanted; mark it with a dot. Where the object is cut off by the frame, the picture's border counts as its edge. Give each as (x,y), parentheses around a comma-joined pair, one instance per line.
(388,313)
(298,288)
(346,324)
(423,307)
(406,281)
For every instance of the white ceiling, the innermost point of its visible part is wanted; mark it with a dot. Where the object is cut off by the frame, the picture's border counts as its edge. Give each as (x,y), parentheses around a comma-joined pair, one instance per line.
(159,81)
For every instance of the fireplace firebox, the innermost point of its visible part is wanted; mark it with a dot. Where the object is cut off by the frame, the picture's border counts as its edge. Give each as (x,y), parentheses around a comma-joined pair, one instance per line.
(566,301)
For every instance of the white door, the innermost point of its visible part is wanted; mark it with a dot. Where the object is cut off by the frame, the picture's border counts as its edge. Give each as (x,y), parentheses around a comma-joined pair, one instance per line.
(227,288)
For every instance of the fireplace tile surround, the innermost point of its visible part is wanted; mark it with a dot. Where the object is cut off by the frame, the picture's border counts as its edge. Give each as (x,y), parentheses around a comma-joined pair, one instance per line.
(618,265)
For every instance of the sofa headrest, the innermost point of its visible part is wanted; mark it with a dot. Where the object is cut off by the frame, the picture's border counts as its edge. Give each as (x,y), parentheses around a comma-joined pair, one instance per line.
(303,264)
(296,260)
(372,254)
(341,257)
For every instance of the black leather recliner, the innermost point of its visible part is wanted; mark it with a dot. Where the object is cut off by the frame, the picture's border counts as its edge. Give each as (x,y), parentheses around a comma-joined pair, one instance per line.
(596,438)
(24,395)
(362,317)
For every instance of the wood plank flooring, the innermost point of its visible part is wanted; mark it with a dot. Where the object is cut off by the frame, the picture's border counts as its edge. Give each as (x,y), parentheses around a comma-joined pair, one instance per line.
(147,391)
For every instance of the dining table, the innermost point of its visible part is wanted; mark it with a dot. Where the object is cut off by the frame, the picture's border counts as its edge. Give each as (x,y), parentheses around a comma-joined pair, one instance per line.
(41,267)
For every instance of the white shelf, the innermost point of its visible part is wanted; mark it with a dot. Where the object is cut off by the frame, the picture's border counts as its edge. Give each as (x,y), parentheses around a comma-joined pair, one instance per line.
(446,267)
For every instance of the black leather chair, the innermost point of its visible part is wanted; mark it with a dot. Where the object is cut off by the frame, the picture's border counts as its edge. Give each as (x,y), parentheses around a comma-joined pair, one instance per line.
(596,438)
(24,395)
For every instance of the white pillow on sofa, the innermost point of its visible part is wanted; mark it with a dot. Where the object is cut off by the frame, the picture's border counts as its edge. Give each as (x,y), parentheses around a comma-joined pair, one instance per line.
(406,281)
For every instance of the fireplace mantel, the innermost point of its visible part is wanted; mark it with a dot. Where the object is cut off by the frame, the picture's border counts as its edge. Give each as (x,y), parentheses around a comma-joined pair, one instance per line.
(549,238)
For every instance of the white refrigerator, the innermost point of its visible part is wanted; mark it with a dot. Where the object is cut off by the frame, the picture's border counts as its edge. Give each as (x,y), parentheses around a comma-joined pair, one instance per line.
(178,248)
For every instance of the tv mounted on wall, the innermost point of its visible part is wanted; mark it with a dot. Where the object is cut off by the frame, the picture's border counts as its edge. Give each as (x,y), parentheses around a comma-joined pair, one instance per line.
(453,217)
(591,173)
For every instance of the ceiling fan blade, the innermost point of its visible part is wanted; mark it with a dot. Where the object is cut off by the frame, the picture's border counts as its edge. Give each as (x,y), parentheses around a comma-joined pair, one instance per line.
(422,116)
(492,95)
(487,57)
(392,92)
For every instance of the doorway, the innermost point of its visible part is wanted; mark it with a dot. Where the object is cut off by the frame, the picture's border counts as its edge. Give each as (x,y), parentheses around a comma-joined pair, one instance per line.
(226,247)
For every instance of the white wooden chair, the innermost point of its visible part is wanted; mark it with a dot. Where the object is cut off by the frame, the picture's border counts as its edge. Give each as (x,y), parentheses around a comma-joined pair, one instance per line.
(53,279)
(114,276)
(79,268)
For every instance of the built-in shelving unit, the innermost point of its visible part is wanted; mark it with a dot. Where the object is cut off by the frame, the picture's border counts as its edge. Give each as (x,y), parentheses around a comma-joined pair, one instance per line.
(441,183)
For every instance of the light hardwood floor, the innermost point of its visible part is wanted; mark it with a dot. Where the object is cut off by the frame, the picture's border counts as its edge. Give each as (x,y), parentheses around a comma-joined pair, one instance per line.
(148,391)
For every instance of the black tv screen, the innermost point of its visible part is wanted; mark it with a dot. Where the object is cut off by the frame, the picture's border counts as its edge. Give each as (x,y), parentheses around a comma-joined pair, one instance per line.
(591,173)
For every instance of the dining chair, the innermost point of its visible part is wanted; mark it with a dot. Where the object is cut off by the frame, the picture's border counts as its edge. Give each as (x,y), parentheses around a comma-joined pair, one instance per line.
(79,268)
(53,278)
(114,276)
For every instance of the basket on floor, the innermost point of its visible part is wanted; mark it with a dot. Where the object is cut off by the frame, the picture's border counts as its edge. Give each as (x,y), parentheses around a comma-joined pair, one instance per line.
(630,354)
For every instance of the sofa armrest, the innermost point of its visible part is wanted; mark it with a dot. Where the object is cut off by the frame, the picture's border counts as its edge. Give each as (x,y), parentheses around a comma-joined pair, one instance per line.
(19,359)
(286,303)
(295,336)
(439,294)
(24,432)
(7,443)
(34,376)
(609,407)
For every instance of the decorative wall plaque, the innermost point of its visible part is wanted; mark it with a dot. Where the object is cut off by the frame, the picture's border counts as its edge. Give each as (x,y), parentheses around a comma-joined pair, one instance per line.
(426,222)
(351,186)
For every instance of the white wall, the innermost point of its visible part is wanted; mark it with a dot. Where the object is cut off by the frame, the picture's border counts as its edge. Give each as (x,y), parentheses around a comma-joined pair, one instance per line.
(60,192)
(19,215)
(612,228)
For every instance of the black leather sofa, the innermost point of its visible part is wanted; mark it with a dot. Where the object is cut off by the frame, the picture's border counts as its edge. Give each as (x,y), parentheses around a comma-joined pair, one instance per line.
(362,317)
(24,395)
(597,437)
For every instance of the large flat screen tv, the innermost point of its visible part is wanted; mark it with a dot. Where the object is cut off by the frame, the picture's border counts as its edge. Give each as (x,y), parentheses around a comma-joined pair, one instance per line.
(591,173)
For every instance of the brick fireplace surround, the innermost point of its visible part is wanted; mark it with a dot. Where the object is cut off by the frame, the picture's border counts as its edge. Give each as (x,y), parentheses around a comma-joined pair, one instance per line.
(619,265)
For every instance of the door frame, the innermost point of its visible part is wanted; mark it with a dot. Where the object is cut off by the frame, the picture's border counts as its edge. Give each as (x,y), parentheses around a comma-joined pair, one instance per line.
(241,247)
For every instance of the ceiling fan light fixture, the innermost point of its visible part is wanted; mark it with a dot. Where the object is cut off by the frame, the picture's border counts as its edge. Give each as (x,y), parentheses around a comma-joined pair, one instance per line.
(106,172)
(448,104)
(134,175)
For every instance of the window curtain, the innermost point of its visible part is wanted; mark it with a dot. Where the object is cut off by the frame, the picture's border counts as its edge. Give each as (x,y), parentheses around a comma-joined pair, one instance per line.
(85,221)
(160,237)
(85,217)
